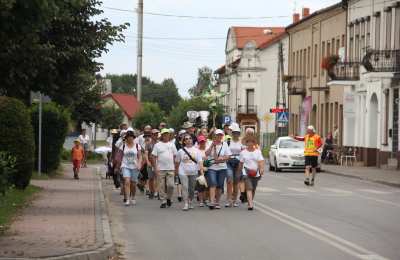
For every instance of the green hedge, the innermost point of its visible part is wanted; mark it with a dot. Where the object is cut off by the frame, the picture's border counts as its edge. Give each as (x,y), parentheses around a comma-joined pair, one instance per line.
(16,138)
(54,130)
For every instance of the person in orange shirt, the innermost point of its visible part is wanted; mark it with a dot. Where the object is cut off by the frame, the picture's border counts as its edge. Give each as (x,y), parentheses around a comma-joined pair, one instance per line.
(312,149)
(77,155)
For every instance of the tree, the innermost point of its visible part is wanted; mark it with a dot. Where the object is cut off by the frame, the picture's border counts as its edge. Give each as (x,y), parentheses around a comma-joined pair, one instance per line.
(87,107)
(150,114)
(166,94)
(178,114)
(52,46)
(204,77)
(111,117)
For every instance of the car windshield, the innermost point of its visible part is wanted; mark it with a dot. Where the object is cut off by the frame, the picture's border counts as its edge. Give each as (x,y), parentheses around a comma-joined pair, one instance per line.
(291,143)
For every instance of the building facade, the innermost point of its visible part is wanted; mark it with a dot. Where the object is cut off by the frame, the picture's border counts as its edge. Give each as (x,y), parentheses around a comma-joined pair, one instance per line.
(371,82)
(249,76)
(312,39)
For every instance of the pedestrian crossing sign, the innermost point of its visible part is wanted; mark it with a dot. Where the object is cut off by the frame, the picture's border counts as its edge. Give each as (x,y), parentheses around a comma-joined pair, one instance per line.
(283,117)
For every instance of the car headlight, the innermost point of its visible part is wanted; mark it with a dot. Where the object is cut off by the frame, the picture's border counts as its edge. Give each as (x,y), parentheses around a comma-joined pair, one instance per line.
(283,156)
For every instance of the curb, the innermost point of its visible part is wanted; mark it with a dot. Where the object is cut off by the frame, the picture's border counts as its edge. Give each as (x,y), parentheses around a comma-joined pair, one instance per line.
(396,185)
(106,248)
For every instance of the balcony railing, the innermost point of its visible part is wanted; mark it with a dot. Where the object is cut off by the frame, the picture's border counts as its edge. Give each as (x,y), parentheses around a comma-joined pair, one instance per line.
(382,61)
(297,85)
(247,109)
(345,71)
(227,109)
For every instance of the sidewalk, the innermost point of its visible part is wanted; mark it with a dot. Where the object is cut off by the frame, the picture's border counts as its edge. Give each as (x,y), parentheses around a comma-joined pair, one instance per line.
(388,177)
(67,220)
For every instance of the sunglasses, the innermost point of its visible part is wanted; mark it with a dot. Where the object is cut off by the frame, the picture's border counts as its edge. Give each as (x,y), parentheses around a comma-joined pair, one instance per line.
(187,139)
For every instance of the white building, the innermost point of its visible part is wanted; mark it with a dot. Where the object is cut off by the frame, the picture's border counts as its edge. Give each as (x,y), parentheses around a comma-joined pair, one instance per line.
(249,76)
(371,95)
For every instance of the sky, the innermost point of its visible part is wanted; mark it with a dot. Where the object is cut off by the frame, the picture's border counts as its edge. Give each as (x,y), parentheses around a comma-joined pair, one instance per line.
(180,59)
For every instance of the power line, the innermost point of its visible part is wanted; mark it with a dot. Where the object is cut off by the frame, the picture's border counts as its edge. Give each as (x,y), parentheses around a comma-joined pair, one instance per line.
(200,38)
(199,17)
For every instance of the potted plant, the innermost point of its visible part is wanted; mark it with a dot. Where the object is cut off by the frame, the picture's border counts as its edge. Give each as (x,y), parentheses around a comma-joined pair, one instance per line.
(328,63)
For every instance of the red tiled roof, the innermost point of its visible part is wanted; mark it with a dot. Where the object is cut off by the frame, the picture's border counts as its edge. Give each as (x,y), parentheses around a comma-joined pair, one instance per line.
(257,34)
(127,103)
(272,40)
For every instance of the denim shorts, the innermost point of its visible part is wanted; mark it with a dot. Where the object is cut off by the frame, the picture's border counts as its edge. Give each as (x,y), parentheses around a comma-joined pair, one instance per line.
(216,178)
(130,173)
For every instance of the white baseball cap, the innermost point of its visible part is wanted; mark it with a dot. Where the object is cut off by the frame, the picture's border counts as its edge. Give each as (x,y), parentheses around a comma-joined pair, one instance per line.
(310,127)
(123,132)
(182,132)
(219,132)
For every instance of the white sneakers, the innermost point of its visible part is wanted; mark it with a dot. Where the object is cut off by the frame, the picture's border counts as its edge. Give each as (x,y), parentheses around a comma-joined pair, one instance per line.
(186,207)
(129,202)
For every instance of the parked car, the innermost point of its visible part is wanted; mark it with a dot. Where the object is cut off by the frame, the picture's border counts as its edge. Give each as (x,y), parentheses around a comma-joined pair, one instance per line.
(288,153)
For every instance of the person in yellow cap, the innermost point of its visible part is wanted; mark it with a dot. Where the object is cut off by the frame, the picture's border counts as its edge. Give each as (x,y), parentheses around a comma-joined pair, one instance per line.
(77,155)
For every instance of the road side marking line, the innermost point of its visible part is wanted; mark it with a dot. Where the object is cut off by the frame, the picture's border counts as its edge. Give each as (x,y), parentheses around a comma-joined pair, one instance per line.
(337,190)
(265,189)
(375,191)
(338,242)
(300,189)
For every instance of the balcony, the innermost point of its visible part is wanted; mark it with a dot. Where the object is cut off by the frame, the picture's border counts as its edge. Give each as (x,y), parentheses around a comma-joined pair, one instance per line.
(297,85)
(227,109)
(382,61)
(345,71)
(247,109)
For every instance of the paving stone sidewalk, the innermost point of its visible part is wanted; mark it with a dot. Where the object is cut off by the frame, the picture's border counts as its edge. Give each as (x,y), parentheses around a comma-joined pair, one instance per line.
(389,177)
(66,218)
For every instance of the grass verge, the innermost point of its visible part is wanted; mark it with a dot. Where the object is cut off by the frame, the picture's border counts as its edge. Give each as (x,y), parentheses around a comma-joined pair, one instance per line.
(12,202)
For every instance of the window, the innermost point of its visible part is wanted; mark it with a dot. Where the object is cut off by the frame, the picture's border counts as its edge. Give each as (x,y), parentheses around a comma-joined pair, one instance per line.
(293,63)
(351,43)
(304,62)
(357,48)
(301,63)
(388,38)
(343,40)
(397,28)
(328,49)
(377,31)
(337,45)
(309,63)
(333,46)
(315,59)
(297,63)
(323,55)
(386,123)
(368,34)
(250,99)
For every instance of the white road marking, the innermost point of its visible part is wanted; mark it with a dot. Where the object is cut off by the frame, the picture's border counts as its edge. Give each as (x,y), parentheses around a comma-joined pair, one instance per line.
(318,233)
(337,190)
(375,191)
(300,189)
(265,189)
(294,194)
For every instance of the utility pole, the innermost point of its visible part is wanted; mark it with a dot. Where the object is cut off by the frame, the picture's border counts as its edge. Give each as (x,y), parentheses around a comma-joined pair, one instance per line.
(139,50)
(280,94)
(40,135)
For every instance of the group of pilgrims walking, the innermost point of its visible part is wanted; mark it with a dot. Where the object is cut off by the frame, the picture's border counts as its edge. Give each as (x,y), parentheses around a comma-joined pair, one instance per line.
(202,167)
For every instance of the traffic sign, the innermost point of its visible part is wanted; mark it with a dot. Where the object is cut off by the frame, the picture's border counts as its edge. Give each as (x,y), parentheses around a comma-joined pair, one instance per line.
(226,119)
(283,117)
(277,110)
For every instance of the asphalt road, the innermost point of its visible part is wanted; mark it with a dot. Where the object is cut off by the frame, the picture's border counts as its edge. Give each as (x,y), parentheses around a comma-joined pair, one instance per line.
(340,218)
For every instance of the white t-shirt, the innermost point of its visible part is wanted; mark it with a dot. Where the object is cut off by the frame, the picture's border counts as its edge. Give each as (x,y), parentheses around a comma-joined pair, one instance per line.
(84,139)
(186,165)
(236,148)
(140,140)
(130,158)
(250,160)
(165,153)
(225,151)
(119,143)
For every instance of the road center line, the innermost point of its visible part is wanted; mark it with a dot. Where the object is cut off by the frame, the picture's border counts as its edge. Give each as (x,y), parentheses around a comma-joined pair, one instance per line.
(338,242)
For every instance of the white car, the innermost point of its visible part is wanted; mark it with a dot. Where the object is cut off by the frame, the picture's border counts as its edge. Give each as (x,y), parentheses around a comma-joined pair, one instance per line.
(287,153)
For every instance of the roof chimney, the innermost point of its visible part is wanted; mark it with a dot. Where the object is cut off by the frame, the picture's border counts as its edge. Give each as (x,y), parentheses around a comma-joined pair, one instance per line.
(296,17)
(305,12)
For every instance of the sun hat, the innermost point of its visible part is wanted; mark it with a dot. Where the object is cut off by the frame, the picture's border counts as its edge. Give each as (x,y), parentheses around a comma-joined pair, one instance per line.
(123,132)
(187,125)
(155,131)
(310,127)
(77,141)
(219,132)
(201,138)
(165,131)
(182,132)
(114,131)
(171,130)
(235,128)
